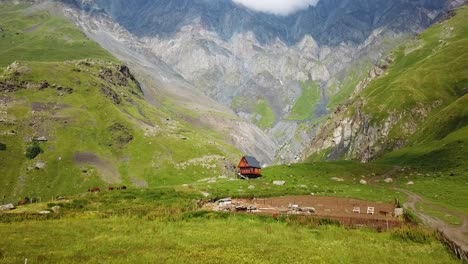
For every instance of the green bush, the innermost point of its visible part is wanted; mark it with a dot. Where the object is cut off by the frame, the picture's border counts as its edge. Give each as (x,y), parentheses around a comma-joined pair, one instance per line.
(2,146)
(76,204)
(33,151)
(410,217)
(328,221)
(414,234)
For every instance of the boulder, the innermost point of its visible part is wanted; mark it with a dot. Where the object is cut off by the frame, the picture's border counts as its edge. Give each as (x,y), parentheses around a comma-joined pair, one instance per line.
(410,183)
(279,183)
(307,209)
(251,208)
(337,179)
(55,209)
(363,182)
(40,165)
(388,180)
(7,207)
(241,208)
(44,212)
(41,139)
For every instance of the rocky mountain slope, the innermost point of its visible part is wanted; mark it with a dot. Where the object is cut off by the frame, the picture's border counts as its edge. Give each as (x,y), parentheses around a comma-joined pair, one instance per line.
(416,98)
(263,67)
(78,118)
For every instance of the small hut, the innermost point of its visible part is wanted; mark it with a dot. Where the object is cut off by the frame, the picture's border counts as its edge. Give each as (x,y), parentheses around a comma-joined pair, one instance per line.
(249,167)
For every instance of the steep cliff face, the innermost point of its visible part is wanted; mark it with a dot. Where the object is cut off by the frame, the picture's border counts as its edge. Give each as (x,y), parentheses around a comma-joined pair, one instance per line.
(413,97)
(261,65)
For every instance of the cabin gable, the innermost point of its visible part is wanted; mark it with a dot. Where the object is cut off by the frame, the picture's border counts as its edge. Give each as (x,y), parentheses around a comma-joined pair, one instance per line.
(250,167)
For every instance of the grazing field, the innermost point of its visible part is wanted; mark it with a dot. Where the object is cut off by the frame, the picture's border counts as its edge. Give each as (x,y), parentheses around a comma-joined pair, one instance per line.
(164,226)
(341,179)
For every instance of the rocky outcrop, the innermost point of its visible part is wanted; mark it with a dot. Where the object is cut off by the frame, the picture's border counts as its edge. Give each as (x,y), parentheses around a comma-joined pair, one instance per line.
(238,57)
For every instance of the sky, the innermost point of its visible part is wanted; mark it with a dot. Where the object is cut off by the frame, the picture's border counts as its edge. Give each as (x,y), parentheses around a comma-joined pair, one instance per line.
(277,7)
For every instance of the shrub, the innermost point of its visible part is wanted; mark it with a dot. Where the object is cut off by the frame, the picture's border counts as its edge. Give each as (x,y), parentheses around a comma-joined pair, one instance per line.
(2,146)
(33,151)
(75,204)
(410,217)
(414,234)
(328,221)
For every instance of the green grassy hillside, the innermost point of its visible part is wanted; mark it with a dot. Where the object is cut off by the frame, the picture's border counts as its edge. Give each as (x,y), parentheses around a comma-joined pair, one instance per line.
(72,118)
(426,85)
(65,96)
(28,34)
(165,226)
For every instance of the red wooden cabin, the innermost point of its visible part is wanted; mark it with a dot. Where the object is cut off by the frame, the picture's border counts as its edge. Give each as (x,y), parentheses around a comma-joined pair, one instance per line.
(250,167)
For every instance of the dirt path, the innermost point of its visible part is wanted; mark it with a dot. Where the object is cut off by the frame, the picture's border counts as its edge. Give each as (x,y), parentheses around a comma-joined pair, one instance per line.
(457,234)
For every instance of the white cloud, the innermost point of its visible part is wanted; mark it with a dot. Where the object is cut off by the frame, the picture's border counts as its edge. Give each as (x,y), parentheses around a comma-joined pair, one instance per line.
(277,7)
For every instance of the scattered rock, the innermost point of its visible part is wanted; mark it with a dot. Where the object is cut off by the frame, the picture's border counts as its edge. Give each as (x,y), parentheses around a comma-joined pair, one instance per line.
(241,208)
(307,209)
(410,183)
(251,187)
(363,182)
(56,209)
(337,179)
(9,87)
(279,183)
(388,180)
(65,90)
(44,212)
(251,208)
(303,186)
(40,165)
(41,139)
(121,134)
(110,93)
(43,85)
(206,194)
(7,207)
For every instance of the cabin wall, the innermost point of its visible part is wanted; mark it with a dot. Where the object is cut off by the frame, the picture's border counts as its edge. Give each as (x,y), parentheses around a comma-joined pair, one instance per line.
(250,171)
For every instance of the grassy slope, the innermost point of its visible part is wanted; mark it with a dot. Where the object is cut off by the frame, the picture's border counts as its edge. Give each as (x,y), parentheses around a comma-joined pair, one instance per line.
(266,114)
(305,105)
(160,226)
(353,77)
(438,71)
(432,75)
(428,76)
(82,122)
(37,36)
(310,178)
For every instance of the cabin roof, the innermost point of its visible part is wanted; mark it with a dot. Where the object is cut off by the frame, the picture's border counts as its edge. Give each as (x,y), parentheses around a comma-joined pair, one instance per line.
(253,162)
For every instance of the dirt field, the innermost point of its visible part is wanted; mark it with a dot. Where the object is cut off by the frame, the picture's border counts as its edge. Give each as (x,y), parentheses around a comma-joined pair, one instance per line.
(340,209)
(324,206)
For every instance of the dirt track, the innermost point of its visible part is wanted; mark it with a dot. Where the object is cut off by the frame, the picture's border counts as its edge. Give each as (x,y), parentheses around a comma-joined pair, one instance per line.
(457,234)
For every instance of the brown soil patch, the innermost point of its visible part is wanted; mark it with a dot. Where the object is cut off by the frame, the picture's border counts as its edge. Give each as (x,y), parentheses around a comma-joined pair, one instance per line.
(324,206)
(42,107)
(106,168)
